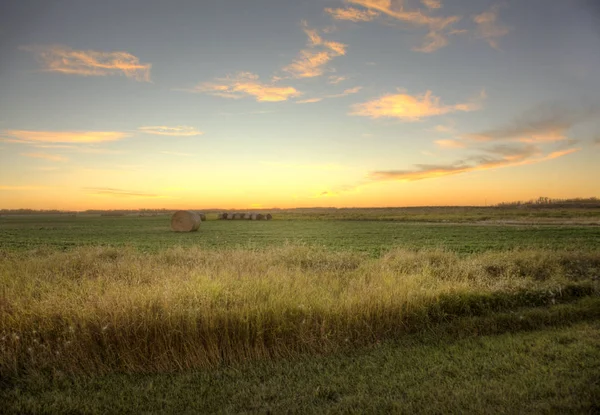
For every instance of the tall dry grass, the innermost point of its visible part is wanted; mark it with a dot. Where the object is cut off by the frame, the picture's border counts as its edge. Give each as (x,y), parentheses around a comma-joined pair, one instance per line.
(101,309)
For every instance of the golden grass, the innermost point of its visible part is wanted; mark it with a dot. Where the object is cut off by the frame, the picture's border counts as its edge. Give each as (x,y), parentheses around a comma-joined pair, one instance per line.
(100,309)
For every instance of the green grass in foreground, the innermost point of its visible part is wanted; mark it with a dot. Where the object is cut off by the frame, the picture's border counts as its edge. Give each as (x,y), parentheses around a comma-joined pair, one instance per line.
(374,237)
(552,370)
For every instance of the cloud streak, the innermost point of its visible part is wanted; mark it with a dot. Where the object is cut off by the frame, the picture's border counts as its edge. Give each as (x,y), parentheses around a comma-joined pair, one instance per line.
(500,157)
(178,131)
(74,137)
(311,61)
(109,191)
(63,59)
(351,13)
(345,93)
(450,143)
(432,4)
(488,27)
(545,123)
(246,84)
(21,188)
(411,108)
(46,156)
(439,27)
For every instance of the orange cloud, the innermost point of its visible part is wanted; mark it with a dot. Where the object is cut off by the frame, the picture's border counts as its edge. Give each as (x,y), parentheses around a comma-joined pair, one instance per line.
(346,92)
(519,157)
(46,156)
(450,143)
(432,4)
(312,62)
(334,79)
(79,137)
(62,59)
(179,131)
(437,25)
(309,64)
(488,27)
(409,108)
(432,42)
(447,129)
(247,84)
(309,101)
(352,14)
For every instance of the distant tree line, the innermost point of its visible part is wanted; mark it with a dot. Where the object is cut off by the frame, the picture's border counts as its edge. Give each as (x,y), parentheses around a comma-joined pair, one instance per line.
(36,212)
(546,202)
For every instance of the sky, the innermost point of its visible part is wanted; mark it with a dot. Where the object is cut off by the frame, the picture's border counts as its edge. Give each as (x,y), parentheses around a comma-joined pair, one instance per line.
(268,103)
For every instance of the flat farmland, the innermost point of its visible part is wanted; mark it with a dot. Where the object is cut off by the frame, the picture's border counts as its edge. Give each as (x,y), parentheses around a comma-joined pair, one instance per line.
(321,312)
(372,236)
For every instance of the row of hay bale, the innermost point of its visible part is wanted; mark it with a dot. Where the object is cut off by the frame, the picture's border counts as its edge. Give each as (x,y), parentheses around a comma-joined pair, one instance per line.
(244,216)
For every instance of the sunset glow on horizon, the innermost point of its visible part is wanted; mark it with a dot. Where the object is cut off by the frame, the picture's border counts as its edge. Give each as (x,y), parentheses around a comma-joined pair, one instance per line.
(333,103)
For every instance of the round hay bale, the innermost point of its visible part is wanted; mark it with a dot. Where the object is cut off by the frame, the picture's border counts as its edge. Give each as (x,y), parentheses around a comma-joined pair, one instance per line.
(260,216)
(185,221)
(230,216)
(268,216)
(224,215)
(202,216)
(219,216)
(242,216)
(253,216)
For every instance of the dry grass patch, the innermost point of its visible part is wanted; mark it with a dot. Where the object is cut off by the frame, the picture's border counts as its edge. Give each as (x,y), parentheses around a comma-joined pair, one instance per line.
(103,309)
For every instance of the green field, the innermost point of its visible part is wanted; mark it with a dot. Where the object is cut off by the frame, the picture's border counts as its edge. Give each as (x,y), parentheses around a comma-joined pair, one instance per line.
(358,311)
(372,236)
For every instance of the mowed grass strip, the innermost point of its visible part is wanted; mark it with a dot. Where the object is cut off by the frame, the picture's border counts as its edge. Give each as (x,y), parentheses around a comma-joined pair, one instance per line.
(373,237)
(98,309)
(553,370)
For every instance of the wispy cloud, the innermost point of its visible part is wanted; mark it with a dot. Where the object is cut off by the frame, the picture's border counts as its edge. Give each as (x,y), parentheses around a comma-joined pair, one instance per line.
(246,84)
(63,59)
(20,188)
(312,61)
(545,123)
(335,79)
(488,27)
(351,13)
(299,166)
(445,129)
(46,156)
(109,191)
(432,4)
(178,131)
(439,27)
(411,108)
(451,143)
(344,93)
(79,137)
(499,157)
(309,101)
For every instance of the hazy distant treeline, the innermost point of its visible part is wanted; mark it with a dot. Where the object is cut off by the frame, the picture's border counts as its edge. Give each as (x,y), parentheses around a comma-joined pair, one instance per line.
(546,202)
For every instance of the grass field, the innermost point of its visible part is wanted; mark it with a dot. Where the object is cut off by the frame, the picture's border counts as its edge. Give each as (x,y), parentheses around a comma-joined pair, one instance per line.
(321,314)
(374,236)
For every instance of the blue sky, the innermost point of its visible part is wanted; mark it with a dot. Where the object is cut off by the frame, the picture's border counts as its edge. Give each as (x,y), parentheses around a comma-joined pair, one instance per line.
(304,103)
